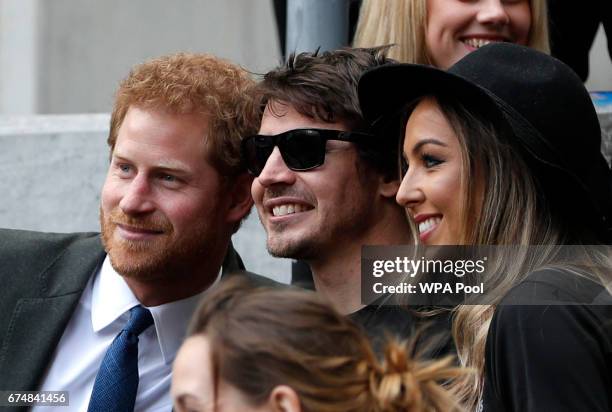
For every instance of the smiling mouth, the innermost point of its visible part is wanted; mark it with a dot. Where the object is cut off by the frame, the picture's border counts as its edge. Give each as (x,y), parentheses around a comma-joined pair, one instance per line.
(289,209)
(137,229)
(428,224)
(132,233)
(478,43)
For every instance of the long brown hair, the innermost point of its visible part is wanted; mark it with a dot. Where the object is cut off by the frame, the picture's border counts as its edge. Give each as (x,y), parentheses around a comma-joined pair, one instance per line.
(262,337)
(493,165)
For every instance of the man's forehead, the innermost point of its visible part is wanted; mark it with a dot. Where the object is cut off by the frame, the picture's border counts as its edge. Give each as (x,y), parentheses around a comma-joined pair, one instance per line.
(171,139)
(280,117)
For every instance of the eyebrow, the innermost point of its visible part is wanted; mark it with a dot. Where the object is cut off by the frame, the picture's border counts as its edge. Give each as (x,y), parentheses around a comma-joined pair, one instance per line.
(423,142)
(171,167)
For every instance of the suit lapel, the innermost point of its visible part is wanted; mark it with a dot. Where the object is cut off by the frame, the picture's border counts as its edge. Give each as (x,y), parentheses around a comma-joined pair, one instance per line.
(38,323)
(232,261)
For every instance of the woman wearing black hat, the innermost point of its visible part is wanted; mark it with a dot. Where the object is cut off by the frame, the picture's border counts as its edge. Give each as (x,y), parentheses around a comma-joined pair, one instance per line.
(504,149)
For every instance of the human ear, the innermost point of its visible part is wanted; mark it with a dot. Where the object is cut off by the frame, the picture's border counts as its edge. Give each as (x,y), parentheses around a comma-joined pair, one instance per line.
(388,187)
(284,399)
(241,200)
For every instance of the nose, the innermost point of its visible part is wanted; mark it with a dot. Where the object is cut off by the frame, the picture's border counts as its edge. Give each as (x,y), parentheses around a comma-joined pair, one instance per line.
(136,198)
(276,171)
(409,195)
(493,12)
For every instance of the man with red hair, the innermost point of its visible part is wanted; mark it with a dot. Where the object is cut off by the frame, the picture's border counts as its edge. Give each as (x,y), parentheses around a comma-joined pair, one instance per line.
(74,305)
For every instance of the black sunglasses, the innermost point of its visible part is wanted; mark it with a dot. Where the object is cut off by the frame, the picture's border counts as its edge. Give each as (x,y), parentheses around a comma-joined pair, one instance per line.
(301,149)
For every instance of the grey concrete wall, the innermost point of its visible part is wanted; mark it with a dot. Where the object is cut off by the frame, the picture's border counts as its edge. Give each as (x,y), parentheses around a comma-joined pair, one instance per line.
(52,175)
(600,63)
(18,56)
(313,24)
(53,168)
(67,56)
(89,45)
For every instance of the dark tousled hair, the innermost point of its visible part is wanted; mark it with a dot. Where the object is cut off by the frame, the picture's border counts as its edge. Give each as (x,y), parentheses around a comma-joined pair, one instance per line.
(323,86)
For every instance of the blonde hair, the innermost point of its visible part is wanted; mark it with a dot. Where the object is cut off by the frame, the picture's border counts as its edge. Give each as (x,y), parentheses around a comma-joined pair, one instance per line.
(293,337)
(186,83)
(489,219)
(404,22)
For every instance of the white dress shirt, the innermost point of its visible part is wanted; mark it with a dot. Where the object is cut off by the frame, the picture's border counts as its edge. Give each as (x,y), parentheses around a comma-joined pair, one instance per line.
(101,313)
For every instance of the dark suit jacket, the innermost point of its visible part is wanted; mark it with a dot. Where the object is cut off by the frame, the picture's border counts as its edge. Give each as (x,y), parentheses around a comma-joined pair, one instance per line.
(42,277)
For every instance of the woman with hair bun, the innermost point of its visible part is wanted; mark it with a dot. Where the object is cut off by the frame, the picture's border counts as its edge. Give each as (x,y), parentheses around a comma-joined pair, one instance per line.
(256,349)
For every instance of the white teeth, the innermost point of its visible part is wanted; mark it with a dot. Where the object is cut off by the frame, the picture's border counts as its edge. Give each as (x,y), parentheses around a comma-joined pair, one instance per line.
(288,209)
(425,225)
(478,43)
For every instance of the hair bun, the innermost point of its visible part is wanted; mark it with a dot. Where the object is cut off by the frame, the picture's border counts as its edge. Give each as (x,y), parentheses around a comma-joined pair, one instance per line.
(403,383)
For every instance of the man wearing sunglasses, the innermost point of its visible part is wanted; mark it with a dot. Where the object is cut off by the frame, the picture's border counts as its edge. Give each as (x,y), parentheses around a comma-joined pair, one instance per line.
(324,184)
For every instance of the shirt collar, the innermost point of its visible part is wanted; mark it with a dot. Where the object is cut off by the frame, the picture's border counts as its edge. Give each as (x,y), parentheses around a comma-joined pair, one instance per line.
(112,297)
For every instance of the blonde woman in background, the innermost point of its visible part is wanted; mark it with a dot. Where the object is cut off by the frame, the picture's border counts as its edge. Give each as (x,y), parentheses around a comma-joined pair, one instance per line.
(281,350)
(441,32)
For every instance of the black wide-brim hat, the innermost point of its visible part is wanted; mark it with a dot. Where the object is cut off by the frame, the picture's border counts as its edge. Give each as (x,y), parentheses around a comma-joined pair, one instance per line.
(542,100)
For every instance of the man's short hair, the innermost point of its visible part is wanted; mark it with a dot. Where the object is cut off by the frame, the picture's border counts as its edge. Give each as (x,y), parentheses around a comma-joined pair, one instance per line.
(323,86)
(186,83)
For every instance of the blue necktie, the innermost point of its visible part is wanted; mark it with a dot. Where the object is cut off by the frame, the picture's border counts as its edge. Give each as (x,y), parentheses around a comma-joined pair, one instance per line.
(117,379)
